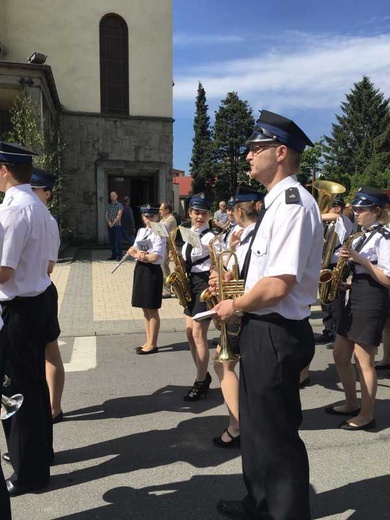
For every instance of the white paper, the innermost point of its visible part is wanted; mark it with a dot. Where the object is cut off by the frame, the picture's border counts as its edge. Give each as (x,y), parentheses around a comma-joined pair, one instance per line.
(200,316)
(340,230)
(191,237)
(159,229)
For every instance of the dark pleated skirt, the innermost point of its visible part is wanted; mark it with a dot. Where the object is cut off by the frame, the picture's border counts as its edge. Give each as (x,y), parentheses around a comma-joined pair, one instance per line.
(366,312)
(147,286)
(198,283)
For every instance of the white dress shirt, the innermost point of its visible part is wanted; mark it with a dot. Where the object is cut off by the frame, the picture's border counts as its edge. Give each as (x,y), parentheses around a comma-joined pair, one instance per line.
(376,249)
(25,222)
(149,242)
(198,253)
(289,242)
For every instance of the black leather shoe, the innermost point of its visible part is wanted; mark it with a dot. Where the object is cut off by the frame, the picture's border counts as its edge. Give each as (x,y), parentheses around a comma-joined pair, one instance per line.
(305,382)
(15,489)
(233,509)
(58,418)
(233,443)
(6,458)
(198,389)
(332,411)
(142,352)
(350,427)
(111,258)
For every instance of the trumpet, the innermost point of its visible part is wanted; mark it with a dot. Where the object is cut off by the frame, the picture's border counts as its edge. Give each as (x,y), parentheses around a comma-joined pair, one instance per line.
(232,288)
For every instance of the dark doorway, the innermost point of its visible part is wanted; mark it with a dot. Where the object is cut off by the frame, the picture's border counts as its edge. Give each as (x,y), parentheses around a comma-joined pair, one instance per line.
(140,190)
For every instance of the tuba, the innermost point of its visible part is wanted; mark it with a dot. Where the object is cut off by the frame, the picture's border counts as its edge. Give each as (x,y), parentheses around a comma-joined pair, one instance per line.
(331,280)
(327,190)
(178,278)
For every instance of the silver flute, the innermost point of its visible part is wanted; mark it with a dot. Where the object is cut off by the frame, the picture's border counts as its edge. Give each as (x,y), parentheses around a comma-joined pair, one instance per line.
(119,263)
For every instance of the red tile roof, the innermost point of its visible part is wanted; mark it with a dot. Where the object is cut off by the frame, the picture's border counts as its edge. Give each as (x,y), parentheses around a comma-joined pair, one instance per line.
(184,185)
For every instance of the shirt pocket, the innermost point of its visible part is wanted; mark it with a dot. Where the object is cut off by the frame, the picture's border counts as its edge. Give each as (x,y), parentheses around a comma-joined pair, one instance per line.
(260,247)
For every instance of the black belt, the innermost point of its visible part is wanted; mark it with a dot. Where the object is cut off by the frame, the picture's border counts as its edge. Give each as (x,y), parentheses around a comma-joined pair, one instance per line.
(272,317)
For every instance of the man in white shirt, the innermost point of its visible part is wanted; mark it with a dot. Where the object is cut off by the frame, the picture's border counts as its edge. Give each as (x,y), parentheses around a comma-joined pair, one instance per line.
(281,272)
(24,284)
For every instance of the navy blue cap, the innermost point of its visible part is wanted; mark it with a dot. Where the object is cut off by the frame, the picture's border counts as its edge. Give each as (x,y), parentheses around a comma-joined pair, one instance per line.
(42,179)
(231,203)
(338,201)
(149,209)
(15,153)
(247,194)
(273,128)
(200,201)
(366,197)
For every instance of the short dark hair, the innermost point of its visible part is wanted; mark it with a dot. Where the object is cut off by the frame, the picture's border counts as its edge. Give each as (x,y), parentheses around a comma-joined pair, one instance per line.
(20,172)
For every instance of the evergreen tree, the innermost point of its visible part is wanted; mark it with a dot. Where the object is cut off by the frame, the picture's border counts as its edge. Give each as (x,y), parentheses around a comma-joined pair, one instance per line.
(311,163)
(201,165)
(233,125)
(361,137)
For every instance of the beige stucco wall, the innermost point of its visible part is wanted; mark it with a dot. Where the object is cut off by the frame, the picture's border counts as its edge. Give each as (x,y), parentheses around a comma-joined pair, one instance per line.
(68,32)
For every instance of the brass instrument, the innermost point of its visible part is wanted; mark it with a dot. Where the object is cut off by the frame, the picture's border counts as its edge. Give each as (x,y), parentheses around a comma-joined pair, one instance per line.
(228,289)
(178,278)
(206,297)
(331,280)
(327,190)
(9,405)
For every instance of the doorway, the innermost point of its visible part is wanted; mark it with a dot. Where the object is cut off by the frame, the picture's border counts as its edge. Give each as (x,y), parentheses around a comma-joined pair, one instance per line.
(140,190)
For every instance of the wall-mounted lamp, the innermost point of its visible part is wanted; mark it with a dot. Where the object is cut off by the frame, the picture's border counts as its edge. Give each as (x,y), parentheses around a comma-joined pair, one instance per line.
(37,58)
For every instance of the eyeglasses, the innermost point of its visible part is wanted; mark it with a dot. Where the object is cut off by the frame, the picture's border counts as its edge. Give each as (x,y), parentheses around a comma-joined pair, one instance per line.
(255,148)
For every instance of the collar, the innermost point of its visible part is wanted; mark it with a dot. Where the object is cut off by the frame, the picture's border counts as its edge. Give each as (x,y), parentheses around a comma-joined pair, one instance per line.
(246,231)
(371,228)
(14,190)
(200,230)
(279,188)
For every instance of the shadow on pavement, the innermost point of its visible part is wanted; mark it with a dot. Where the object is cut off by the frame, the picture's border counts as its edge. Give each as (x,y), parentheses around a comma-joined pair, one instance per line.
(189,442)
(197,497)
(168,398)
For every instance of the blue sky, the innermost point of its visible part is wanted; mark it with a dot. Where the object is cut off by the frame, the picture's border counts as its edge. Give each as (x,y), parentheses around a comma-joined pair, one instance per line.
(298,58)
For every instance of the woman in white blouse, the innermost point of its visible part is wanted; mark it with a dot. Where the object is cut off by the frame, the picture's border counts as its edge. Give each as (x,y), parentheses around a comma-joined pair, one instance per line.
(365,314)
(148,250)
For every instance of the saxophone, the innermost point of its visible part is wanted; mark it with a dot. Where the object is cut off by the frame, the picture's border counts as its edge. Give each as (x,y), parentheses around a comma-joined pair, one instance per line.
(331,279)
(178,278)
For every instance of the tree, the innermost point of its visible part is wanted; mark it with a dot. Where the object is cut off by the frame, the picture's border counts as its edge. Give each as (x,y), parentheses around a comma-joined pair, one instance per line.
(311,163)
(27,130)
(361,137)
(233,125)
(201,165)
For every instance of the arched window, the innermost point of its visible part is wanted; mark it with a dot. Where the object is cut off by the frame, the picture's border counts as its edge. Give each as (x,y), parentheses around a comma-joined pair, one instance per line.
(114,65)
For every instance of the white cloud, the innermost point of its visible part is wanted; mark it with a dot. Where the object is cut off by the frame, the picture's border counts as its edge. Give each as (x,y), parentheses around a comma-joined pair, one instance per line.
(310,71)
(182,39)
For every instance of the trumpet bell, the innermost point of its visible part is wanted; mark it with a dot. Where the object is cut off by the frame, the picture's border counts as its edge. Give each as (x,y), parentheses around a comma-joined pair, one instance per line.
(10,405)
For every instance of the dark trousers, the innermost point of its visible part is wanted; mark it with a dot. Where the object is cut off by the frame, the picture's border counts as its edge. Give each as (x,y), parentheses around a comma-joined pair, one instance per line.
(115,236)
(332,315)
(5,507)
(29,432)
(275,465)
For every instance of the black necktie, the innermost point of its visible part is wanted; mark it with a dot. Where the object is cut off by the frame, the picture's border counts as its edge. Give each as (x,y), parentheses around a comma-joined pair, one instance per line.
(245,267)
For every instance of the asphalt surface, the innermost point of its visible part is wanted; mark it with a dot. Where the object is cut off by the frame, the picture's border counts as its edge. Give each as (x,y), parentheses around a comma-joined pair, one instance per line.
(131,448)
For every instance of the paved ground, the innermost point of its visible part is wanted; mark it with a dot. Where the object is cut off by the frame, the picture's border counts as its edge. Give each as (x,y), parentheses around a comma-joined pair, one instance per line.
(131,448)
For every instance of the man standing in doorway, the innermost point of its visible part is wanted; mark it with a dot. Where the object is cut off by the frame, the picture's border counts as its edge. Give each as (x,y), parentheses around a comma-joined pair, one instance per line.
(128,222)
(169,220)
(113,218)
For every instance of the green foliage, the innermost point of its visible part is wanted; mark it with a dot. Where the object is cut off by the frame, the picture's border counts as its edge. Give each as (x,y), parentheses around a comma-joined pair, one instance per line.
(27,130)
(359,148)
(201,165)
(233,125)
(312,162)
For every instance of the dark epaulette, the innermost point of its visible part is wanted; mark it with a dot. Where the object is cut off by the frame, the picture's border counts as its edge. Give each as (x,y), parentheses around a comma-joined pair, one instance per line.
(292,196)
(385,232)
